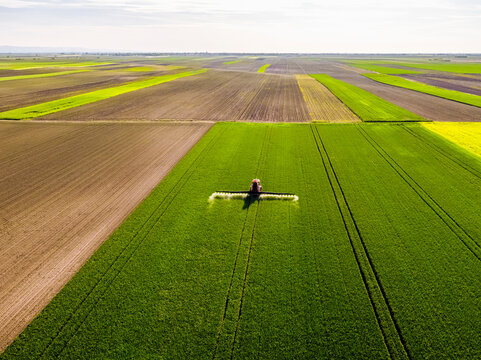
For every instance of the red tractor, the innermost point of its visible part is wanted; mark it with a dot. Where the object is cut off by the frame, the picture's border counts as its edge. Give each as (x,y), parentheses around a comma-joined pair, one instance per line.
(256,187)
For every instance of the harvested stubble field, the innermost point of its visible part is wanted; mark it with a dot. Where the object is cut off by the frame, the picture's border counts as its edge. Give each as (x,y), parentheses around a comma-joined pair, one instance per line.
(322,104)
(63,189)
(214,95)
(378,259)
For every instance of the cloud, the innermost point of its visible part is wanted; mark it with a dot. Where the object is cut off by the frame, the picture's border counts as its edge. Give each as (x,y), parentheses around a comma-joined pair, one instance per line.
(216,25)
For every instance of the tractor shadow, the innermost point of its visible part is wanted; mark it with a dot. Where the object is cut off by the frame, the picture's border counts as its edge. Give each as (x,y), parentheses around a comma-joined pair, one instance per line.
(249,200)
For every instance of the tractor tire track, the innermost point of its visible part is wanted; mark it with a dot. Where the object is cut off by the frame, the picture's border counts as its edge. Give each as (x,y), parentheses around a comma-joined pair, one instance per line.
(133,245)
(245,230)
(445,217)
(229,289)
(390,331)
(438,149)
(244,282)
(246,273)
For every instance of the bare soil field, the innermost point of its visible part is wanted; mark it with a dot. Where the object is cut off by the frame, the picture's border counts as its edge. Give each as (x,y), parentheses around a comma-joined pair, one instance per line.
(279,99)
(214,96)
(63,189)
(322,104)
(249,65)
(428,106)
(463,84)
(19,93)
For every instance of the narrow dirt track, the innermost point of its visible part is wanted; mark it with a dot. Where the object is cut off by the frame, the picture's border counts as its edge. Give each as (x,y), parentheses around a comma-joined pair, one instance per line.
(63,189)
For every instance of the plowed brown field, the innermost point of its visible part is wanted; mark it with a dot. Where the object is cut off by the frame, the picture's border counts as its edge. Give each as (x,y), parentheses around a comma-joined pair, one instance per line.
(278,99)
(20,93)
(63,189)
(322,104)
(214,95)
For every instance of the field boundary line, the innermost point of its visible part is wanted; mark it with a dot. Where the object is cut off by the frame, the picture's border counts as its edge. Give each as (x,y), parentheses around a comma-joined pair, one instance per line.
(450,222)
(442,152)
(390,330)
(136,244)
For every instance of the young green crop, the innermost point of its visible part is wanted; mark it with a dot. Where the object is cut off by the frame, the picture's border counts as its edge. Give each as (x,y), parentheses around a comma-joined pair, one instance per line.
(263,68)
(458,96)
(23,65)
(33,76)
(364,104)
(185,278)
(460,68)
(383,69)
(365,258)
(231,62)
(87,98)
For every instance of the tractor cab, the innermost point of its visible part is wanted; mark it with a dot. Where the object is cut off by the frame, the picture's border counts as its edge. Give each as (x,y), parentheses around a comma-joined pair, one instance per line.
(256,187)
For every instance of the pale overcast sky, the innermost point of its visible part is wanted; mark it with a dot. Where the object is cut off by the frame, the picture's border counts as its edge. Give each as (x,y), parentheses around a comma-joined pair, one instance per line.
(245,25)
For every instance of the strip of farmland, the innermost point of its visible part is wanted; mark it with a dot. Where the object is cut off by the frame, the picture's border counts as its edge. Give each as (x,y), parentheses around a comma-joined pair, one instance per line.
(457,83)
(367,106)
(322,104)
(381,68)
(466,135)
(213,96)
(17,94)
(63,190)
(33,76)
(22,65)
(82,99)
(263,68)
(372,262)
(428,106)
(460,68)
(458,96)
(278,99)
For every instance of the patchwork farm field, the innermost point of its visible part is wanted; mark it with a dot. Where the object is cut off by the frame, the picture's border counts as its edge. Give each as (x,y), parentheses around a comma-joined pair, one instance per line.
(63,189)
(375,252)
(113,243)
